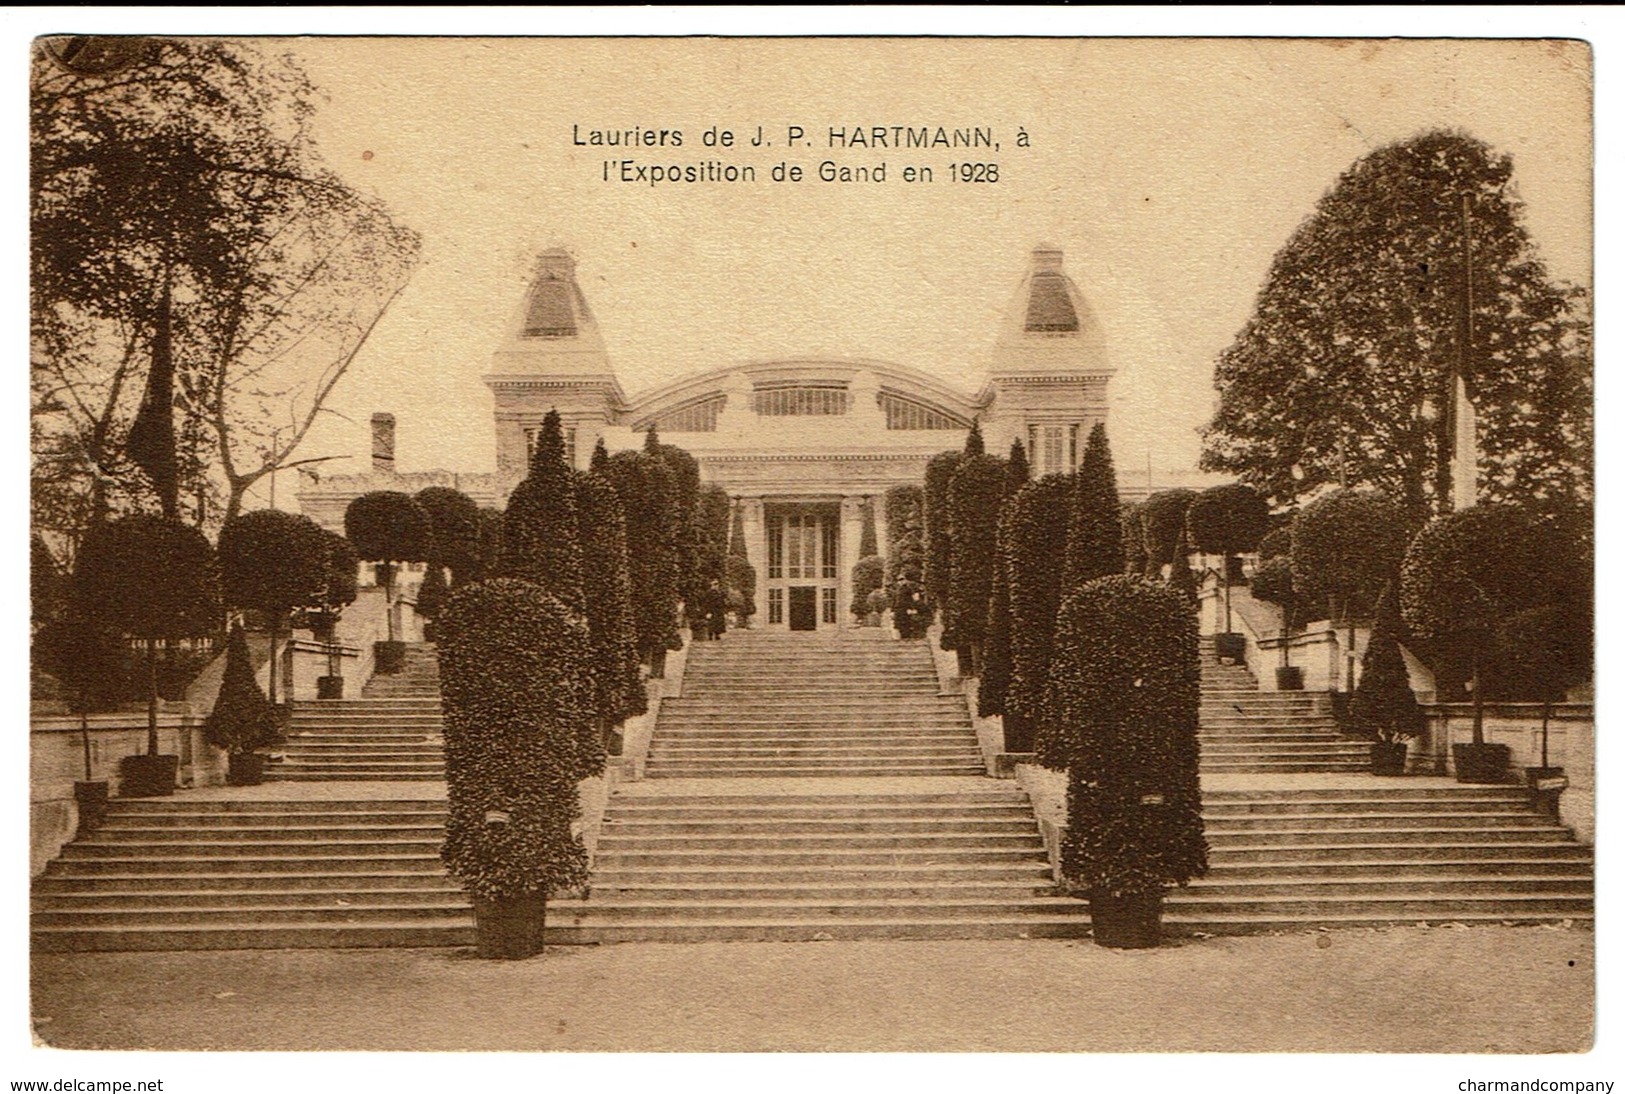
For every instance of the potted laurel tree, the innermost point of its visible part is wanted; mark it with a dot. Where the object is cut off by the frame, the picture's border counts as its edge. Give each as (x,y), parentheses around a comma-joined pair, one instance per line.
(338,592)
(154,579)
(1384,706)
(272,562)
(1121,709)
(243,720)
(517,690)
(1228,520)
(387,527)
(868,575)
(1463,576)
(1545,651)
(88,660)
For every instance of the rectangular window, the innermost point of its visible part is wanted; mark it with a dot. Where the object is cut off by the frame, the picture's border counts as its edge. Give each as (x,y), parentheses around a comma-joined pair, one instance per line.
(1072,452)
(827,595)
(831,549)
(775,547)
(792,562)
(570,446)
(1054,456)
(533,434)
(775,605)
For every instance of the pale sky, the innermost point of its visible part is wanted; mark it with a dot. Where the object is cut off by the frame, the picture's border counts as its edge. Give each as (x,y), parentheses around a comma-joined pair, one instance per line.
(1169,171)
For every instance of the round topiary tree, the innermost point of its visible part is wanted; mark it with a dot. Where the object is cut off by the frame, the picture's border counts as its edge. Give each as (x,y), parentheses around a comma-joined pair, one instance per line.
(607,582)
(868,574)
(541,532)
(338,593)
(1227,520)
(1162,522)
(243,719)
(1462,577)
(1347,546)
(1094,538)
(387,527)
(273,562)
(516,691)
(1124,695)
(1383,706)
(1542,652)
(938,539)
(1272,584)
(153,579)
(1037,523)
(975,495)
(454,527)
(643,484)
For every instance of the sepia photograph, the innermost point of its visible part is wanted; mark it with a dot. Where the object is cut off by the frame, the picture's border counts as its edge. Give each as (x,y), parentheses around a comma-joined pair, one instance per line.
(823,544)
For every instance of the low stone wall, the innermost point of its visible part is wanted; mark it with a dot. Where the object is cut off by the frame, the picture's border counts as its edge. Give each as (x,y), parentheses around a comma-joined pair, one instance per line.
(637,732)
(56,758)
(1571,745)
(1046,790)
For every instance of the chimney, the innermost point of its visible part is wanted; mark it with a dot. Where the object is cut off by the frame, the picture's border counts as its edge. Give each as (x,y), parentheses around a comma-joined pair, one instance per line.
(383,443)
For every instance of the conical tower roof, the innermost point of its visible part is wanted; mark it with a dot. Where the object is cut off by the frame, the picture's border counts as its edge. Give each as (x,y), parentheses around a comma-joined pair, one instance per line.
(553,331)
(1049,326)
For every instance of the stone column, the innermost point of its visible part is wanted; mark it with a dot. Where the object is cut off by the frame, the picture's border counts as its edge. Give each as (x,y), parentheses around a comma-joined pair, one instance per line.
(879,502)
(756,553)
(851,538)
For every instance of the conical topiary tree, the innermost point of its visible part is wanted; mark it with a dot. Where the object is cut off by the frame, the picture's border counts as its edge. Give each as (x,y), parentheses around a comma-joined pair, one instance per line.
(683,496)
(432,594)
(975,494)
(1384,706)
(516,689)
(607,583)
(995,679)
(1094,540)
(643,482)
(905,560)
(541,532)
(1181,578)
(1135,560)
(1227,520)
(1124,694)
(1037,523)
(243,719)
(937,524)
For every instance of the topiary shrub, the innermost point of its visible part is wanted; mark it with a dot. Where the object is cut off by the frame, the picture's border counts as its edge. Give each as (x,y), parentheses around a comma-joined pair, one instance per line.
(488,562)
(905,560)
(1346,546)
(1037,523)
(541,532)
(741,588)
(432,594)
(868,540)
(938,539)
(388,527)
(975,495)
(683,494)
(454,528)
(643,484)
(1094,538)
(1465,574)
(995,678)
(607,583)
(516,691)
(243,719)
(1542,652)
(868,575)
(1383,706)
(1123,701)
(1162,522)
(153,579)
(273,562)
(1227,520)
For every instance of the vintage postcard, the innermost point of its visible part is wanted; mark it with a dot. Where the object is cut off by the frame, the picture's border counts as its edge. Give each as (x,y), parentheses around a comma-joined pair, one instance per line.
(929,545)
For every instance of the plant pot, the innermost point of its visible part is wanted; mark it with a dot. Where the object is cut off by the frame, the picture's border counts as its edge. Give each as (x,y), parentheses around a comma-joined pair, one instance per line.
(1388,758)
(147,776)
(1288,678)
(1132,921)
(91,798)
(1230,647)
(329,687)
(1485,763)
(388,658)
(510,928)
(245,769)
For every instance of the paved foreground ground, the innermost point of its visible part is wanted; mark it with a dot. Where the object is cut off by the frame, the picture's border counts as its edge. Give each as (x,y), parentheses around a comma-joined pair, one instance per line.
(1441,989)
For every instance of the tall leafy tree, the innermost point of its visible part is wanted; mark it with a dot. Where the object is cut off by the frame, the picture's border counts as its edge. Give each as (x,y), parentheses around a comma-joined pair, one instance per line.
(1094,539)
(1414,269)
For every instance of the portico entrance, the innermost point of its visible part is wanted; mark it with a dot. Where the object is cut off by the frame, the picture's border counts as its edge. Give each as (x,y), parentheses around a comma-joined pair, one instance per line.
(803,565)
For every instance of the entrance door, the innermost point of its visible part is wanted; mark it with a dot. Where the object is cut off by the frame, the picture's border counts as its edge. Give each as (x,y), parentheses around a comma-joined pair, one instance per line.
(803,608)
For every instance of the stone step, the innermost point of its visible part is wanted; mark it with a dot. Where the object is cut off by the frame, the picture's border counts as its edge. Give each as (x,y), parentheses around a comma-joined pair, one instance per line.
(812,719)
(811,929)
(112,890)
(269,820)
(1213,809)
(615,839)
(100,849)
(238,860)
(897,768)
(606,912)
(1225,838)
(773,828)
(1401,870)
(873,749)
(1288,767)
(128,834)
(857,890)
(1218,823)
(1178,922)
(844,857)
(245,933)
(265,912)
(1506,904)
(201,807)
(1434,884)
(1028,870)
(1376,848)
(295,774)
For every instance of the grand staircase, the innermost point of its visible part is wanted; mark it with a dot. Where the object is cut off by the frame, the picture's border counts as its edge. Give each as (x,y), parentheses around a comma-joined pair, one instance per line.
(1247,731)
(805,788)
(393,732)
